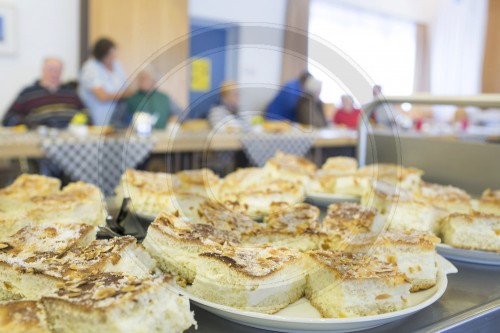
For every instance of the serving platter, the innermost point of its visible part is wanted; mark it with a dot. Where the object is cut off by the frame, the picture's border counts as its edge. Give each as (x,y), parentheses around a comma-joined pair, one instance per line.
(301,316)
(471,256)
(325,199)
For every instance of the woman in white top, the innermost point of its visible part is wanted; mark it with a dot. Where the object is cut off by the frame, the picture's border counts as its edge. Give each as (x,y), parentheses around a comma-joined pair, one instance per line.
(102,82)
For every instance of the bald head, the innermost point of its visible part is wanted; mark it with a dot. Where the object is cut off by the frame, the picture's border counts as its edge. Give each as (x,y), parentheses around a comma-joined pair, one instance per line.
(51,73)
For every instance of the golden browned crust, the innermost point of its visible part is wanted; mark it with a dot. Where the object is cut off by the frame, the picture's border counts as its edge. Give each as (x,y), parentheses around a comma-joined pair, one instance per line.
(105,290)
(172,226)
(340,164)
(292,163)
(153,182)
(22,316)
(254,262)
(423,239)
(199,177)
(441,192)
(294,219)
(383,171)
(490,196)
(230,216)
(349,217)
(356,266)
(27,185)
(33,243)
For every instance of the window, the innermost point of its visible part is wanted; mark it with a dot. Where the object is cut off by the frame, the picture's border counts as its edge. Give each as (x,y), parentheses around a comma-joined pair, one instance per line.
(383,46)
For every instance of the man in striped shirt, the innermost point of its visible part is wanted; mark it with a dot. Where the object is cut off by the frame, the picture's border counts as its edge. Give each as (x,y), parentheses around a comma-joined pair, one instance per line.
(46,102)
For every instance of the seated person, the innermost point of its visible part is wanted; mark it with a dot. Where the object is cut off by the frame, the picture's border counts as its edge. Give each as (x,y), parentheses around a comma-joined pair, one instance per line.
(347,115)
(46,102)
(309,107)
(226,115)
(149,99)
(284,105)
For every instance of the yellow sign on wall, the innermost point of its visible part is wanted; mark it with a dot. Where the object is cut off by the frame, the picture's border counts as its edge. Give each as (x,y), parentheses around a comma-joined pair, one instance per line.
(200,74)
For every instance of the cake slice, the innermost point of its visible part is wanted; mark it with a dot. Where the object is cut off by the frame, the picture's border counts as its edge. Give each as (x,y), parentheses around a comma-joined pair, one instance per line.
(405,178)
(475,231)
(413,253)
(22,254)
(175,244)
(116,303)
(448,198)
(490,202)
(290,167)
(229,216)
(149,192)
(294,226)
(340,164)
(202,182)
(257,190)
(352,218)
(16,197)
(261,279)
(75,203)
(32,273)
(401,210)
(339,183)
(22,317)
(341,284)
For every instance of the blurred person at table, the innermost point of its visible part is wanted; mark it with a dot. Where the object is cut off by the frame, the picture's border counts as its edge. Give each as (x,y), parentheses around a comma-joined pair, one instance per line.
(150,100)
(102,83)
(309,106)
(284,104)
(383,114)
(347,114)
(227,114)
(47,102)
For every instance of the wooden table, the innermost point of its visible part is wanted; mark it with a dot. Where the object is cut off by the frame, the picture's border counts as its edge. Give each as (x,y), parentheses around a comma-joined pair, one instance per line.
(28,145)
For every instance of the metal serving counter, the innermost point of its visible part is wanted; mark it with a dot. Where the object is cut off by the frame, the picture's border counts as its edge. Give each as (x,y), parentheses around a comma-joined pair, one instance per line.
(470,304)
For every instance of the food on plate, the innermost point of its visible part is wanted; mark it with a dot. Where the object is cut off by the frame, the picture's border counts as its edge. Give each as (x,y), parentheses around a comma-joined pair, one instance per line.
(229,215)
(253,187)
(202,182)
(112,302)
(475,231)
(22,316)
(340,164)
(175,244)
(341,284)
(352,218)
(405,178)
(490,202)
(448,198)
(263,279)
(413,253)
(290,167)
(294,226)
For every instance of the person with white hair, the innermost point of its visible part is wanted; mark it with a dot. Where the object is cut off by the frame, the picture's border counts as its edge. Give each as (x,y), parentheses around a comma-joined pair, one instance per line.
(309,106)
(47,102)
(150,100)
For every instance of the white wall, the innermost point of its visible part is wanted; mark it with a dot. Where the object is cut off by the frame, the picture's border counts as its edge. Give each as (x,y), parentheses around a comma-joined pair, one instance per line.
(255,66)
(44,28)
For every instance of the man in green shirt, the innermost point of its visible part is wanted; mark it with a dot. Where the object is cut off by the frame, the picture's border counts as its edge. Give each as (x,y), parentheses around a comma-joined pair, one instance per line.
(150,100)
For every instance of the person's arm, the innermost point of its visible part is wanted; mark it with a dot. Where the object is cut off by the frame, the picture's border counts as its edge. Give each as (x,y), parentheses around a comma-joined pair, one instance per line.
(104,96)
(16,113)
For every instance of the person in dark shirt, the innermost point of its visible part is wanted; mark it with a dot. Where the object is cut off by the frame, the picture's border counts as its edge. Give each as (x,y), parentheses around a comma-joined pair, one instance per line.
(284,104)
(46,102)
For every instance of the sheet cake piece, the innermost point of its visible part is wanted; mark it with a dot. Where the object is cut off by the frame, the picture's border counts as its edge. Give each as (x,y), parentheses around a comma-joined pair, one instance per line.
(175,244)
(22,317)
(111,302)
(413,253)
(262,279)
(341,284)
(489,202)
(475,231)
(294,226)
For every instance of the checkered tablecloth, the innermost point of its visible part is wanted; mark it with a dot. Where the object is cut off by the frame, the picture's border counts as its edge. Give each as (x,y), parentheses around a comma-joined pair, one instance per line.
(100,161)
(259,147)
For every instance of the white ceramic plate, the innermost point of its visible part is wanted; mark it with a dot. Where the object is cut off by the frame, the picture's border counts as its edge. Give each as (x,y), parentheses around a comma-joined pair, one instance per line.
(472,256)
(324,199)
(302,317)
